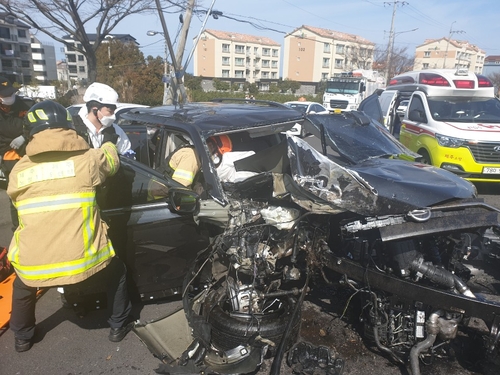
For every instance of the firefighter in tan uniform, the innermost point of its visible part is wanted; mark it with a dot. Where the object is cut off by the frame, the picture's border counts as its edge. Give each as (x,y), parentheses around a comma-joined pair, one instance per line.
(184,165)
(61,238)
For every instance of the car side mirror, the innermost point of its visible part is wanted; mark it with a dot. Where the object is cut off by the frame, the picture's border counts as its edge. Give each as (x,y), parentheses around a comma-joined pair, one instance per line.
(183,201)
(417,116)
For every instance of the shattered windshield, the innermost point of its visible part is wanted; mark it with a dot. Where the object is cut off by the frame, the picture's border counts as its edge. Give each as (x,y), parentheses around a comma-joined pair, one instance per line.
(465,109)
(343,86)
(358,142)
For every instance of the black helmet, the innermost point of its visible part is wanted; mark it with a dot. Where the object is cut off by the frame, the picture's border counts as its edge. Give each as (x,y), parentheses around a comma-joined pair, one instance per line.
(46,115)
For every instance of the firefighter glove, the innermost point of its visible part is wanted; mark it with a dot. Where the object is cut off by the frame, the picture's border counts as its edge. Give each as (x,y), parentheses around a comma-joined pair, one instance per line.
(17,142)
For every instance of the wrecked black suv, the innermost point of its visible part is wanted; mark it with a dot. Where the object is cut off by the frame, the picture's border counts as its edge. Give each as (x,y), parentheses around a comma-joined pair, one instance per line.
(348,202)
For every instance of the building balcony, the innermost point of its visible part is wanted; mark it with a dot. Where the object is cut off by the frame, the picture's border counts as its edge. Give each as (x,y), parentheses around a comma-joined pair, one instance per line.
(10,54)
(10,38)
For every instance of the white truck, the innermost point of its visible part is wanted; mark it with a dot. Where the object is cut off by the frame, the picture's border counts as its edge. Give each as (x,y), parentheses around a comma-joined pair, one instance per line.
(344,91)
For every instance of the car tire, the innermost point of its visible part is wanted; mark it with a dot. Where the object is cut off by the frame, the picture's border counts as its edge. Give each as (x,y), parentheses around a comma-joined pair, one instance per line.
(229,331)
(426,159)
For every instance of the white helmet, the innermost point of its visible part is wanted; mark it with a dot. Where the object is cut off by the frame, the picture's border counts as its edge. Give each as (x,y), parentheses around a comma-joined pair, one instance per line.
(101,93)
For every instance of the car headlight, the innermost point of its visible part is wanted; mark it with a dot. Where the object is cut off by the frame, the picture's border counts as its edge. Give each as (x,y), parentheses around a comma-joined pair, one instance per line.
(446,141)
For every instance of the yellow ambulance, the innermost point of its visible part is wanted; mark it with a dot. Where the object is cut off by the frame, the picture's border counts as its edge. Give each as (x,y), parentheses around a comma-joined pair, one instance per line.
(452,120)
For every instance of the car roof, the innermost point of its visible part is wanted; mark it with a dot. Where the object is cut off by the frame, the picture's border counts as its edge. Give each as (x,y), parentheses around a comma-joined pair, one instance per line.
(222,115)
(118,105)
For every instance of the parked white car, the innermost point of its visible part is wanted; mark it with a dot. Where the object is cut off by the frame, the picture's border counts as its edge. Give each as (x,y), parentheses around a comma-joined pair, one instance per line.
(307,108)
(402,107)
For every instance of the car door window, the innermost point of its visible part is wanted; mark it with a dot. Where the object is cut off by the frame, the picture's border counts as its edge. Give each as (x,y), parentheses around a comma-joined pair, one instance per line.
(143,141)
(416,104)
(169,143)
(132,185)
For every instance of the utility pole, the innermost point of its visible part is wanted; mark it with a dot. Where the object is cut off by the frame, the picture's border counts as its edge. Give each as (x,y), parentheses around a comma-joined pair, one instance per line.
(390,45)
(177,81)
(448,41)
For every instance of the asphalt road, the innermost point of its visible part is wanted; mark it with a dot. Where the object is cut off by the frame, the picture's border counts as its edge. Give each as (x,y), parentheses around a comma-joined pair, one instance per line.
(66,344)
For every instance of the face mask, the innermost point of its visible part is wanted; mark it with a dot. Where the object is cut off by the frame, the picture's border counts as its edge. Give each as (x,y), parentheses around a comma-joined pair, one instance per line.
(9,100)
(216,159)
(107,120)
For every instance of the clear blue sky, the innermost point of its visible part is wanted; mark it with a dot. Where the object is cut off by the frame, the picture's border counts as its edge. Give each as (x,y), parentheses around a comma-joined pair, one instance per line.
(477,21)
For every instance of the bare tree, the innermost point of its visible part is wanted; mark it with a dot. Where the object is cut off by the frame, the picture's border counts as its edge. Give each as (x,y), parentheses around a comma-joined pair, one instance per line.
(400,61)
(359,58)
(58,18)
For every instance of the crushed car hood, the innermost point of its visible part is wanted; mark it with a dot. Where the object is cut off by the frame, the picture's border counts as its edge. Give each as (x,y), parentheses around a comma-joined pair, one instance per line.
(373,187)
(412,185)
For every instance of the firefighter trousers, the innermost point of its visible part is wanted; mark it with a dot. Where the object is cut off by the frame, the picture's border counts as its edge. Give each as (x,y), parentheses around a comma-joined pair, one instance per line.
(23,320)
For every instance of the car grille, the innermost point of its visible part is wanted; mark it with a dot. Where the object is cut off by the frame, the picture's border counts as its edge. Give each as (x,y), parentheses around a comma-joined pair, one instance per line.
(485,152)
(341,104)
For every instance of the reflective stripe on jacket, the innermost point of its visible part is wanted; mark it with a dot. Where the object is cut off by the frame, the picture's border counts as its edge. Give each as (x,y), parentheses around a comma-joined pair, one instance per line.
(61,238)
(185,164)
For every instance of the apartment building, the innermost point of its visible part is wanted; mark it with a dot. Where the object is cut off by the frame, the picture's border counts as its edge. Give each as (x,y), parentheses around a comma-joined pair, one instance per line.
(77,62)
(237,58)
(312,54)
(44,61)
(15,49)
(449,54)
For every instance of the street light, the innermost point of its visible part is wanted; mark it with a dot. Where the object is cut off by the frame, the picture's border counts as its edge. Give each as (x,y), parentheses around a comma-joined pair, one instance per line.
(391,50)
(448,41)
(165,65)
(109,37)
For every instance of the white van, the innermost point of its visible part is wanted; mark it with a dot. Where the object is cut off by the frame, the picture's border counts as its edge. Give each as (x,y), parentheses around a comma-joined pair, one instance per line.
(452,120)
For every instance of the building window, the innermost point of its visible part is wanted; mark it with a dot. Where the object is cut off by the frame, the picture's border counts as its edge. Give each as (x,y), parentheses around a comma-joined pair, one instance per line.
(239,61)
(81,58)
(327,48)
(265,75)
(225,47)
(25,48)
(275,52)
(339,49)
(427,54)
(25,64)
(326,62)
(72,69)
(266,52)
(225,60)
(238,48)
(256,50)
(21,33)
(71,58)
(4,33)
(265,64)
(274,64)
(339,63)
(274,75)
(239,74)
(225,73)
(7,63)
(81,69)
(425,66)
